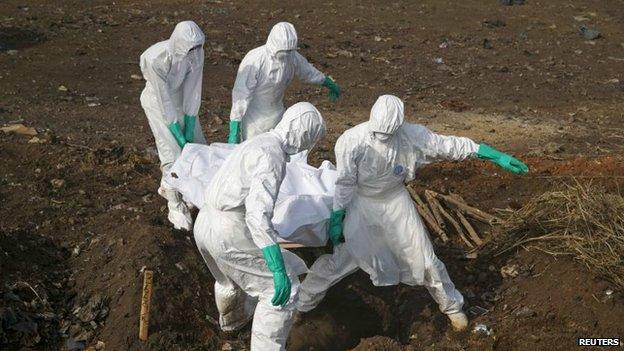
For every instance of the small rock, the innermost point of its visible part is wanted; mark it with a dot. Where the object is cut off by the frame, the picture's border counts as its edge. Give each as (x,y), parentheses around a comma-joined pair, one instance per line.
(470,255)
(19,129)
(509,271)
(608,295)
(524,311)
(136,77)
(227,347)
(76,251)
(36,140)
(344,53)
(93,104)
(100,345)
(482,329)
(180,266)
(589,33)
(12,52)
(62,88)
(57,183)
(438,60)
(218,120)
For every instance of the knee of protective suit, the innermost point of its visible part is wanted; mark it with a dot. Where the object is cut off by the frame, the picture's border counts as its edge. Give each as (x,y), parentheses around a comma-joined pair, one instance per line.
(234,306)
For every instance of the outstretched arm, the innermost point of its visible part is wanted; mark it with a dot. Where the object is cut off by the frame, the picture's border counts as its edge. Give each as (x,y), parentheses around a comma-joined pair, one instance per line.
(309,74)
(436,146)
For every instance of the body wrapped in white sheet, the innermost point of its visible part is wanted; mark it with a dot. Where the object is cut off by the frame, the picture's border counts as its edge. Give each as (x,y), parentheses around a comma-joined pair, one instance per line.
(304,202)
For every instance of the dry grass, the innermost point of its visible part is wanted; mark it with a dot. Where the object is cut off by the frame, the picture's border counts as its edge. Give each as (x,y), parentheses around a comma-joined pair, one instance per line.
(580,220)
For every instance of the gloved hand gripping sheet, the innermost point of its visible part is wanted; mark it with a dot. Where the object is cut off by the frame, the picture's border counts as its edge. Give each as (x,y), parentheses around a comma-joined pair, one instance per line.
(305,198)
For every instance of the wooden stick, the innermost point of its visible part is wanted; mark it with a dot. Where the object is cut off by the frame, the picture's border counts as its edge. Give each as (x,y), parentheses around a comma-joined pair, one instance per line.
(426,215)
(290,245)
(456,225)
(458,198)
(469,228)
(434,205)
(419,201)
(422,211)
(469,210)
(146,296)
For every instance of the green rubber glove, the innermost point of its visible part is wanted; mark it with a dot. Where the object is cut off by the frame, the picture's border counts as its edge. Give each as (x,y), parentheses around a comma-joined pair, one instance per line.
(507,162)
(335,226)
(234,137)
(176,130)
(189,127)
(334,89)
(281,282)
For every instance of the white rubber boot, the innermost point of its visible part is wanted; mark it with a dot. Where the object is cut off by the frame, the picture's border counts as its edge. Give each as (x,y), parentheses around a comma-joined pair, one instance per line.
(459,321)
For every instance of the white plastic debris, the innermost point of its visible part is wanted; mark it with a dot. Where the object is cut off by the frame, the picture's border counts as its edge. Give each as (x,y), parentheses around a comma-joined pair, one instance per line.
(482,329)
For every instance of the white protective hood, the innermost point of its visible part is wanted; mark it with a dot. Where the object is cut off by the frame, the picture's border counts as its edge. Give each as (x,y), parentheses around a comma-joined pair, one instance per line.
(386,115)
(301,128)
(282,37)
(185,36)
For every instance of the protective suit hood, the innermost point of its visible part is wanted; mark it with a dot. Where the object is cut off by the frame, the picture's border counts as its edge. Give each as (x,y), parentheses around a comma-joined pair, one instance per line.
(386,115)
(185,36)
(301,127)
(283,36)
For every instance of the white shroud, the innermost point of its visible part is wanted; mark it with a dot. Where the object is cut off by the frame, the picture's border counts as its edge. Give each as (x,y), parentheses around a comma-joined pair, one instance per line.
(305,198)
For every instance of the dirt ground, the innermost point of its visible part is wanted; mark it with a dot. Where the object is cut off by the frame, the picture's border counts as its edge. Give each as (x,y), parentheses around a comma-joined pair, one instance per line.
(80,217)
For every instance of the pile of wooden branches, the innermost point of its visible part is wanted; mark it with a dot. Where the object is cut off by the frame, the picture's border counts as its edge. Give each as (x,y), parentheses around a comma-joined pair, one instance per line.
(441,212)
(581,220)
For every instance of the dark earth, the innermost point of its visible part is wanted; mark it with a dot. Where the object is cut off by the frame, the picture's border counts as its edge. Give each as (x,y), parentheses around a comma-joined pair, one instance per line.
(80,217)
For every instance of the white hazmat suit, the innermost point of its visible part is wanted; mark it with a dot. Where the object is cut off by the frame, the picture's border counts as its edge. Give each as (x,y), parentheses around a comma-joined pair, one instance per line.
(263,76)
(235,224)
(173,71)
(384,235)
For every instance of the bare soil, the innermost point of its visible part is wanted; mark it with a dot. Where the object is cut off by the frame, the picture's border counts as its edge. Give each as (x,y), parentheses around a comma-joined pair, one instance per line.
(80,217)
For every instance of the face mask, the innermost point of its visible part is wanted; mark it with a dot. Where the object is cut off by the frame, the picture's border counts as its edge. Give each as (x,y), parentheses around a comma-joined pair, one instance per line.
(282,55)
(383,137)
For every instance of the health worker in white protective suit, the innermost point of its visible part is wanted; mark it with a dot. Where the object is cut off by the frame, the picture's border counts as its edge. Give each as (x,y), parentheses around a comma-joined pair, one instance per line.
(383,233)
(263,76)
(171,99)
(235,236)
